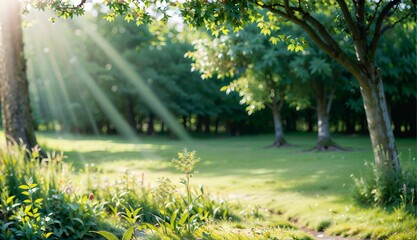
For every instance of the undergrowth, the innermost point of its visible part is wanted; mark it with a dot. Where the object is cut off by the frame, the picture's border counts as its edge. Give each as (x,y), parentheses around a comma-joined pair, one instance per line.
(38,200)
(383,186)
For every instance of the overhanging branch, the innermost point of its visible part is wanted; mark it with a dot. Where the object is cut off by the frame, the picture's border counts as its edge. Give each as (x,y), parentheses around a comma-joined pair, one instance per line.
(317,33)
(378,26)
(348,18)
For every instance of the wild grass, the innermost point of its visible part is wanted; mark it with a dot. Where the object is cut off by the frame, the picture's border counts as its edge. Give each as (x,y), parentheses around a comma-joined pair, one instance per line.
(311,189)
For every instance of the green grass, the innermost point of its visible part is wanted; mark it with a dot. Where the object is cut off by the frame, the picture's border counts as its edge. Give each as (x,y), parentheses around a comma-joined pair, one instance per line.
(312,189)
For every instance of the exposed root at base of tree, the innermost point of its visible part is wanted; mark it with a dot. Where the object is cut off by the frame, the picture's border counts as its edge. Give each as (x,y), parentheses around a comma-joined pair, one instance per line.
(329,146)
(280,144)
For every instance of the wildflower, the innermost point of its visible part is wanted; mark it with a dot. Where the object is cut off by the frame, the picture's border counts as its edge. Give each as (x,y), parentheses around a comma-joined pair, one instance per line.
(186,161)
(412,190)
(405,188)
(163,191)
(91,196)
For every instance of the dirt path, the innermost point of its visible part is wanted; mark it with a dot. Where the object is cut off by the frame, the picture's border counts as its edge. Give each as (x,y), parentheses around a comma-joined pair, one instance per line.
(322,236)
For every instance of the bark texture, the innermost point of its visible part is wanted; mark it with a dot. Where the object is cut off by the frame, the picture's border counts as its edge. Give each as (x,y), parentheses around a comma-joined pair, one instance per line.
(379,123)
(14,92)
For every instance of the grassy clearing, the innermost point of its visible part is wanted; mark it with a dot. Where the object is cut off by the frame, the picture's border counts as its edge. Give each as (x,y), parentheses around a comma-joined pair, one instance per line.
(313,189)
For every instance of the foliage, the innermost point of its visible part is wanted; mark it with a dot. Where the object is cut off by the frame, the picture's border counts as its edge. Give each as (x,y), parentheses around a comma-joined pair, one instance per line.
(254,63)
(178,214)
(37,198)
(381,186)
(38,211)
(165,71)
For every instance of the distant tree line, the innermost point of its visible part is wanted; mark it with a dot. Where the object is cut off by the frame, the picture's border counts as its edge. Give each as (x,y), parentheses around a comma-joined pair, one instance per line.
(157,52)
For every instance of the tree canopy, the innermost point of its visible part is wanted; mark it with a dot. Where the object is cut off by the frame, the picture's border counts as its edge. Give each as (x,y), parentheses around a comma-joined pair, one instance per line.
(361,23)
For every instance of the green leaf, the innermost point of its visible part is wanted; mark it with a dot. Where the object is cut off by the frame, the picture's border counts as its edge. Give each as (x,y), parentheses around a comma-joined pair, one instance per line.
(27,209)
(129,17)
(183,217)
(47,235)
(266,31)
(6,225)
(39,200)
(70,228)
(24,187)
(107,235)
(152,227)
(274,40)
(136,211)
(78,220)
(299,48)
(9,200)
(174,219)
(224,88)
(129,233)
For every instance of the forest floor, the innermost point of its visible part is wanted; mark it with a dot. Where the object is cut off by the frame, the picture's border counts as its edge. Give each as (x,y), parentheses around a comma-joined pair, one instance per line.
(311,190)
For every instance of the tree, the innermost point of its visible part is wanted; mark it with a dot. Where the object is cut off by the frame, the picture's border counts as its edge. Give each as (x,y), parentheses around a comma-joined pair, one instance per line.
(14,92)
(316,76)
(255,64)
(363,22)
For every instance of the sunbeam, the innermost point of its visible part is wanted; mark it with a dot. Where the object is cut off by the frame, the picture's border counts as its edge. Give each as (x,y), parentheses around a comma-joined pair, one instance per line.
(60,52)
(58,38)
(133,77)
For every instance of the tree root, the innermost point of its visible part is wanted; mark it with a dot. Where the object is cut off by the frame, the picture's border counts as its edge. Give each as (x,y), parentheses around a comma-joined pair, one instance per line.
(329,146)
(280,144)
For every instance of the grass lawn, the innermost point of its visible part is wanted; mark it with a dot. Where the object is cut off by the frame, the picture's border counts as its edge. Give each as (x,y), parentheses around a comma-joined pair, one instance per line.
(312,189)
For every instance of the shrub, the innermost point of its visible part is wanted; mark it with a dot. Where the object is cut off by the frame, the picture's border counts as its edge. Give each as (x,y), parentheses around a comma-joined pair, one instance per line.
(382,186)
(37,199)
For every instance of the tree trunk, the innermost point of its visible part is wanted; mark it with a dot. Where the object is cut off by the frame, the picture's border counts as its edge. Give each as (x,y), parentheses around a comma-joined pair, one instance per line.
(216,126)
(207,124)
(324,141)
(379,124)
(162,127)
(14,92)
(279,132)
(323,130)
(139,124)
(199,124)
(131,113)
(150,130)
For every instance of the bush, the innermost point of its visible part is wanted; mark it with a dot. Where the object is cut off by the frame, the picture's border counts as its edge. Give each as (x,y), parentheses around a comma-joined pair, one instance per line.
(37,199)
(382,186)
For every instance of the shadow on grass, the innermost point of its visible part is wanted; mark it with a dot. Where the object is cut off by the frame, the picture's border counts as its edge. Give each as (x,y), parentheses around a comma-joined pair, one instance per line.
(242,159)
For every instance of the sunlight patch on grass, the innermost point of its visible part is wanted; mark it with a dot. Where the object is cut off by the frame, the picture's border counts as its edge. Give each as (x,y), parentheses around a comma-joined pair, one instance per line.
(313,189)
